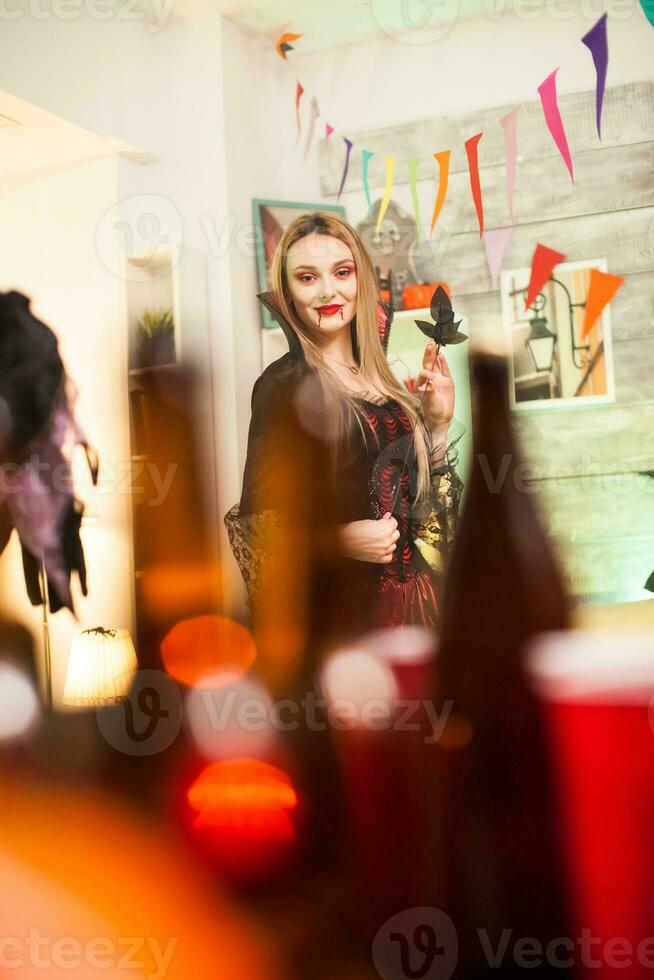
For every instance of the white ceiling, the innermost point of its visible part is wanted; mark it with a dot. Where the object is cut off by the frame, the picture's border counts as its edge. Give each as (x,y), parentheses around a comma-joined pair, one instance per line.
(333,23)
(35,141)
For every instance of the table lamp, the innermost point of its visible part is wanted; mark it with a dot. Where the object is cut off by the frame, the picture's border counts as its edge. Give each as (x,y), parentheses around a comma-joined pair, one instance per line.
(101,667)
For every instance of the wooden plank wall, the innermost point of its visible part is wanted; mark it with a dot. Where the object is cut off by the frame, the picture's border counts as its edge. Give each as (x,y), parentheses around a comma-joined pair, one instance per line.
(594,465)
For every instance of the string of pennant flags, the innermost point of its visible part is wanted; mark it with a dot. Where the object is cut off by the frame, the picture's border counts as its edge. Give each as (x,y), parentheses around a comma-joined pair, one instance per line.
(602,286)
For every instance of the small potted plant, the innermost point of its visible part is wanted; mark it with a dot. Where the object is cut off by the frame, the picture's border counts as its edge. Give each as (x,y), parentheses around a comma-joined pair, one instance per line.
(155,338)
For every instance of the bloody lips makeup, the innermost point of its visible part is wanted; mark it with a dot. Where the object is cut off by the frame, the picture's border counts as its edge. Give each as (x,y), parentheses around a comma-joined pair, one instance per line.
(330,310)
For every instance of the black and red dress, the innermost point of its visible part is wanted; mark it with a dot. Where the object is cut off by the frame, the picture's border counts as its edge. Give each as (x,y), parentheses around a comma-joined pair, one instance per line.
(374,476)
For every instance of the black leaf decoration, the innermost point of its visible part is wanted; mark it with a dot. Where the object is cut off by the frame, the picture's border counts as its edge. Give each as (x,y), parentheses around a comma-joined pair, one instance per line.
(443,330)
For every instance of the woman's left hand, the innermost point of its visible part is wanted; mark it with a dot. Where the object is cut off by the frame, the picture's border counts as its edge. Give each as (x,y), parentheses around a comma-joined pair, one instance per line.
(436,385)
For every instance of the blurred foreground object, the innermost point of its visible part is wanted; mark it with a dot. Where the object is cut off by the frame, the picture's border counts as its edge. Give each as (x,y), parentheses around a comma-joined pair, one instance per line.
(244,817)
(38,434)
(597,688)
(497,856)
(19,704)
(175,536)
(203,645)
(70,906)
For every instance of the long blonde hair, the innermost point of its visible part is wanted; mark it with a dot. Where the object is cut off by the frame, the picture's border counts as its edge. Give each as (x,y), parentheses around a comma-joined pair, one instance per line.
(341,408)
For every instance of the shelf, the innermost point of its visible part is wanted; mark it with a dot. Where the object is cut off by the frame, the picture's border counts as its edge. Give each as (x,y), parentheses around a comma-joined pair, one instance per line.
(161,258)
(152,285)
(135,372)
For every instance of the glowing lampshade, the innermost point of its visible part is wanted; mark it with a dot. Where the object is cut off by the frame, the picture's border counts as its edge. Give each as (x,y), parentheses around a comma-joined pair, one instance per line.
(100,668)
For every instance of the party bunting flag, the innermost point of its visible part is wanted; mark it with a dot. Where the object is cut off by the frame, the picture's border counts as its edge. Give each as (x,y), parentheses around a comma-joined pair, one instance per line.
(443,160)
(496,242)
(328,130)
(648,8)
(596,41)
(390,171)
(602,287)
(299,91)
(283,47)
(510,127)
(413,173)
(475,186)
(346,166)
(542,266)
(315,112)
(547,92)
(366,154)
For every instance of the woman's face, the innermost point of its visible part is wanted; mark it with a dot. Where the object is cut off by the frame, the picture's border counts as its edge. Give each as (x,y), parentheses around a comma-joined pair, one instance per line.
(322,281)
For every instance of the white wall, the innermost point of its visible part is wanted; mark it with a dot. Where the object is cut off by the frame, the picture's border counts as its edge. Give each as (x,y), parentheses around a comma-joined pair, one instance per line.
(480,63)
(163,92)
(253,145)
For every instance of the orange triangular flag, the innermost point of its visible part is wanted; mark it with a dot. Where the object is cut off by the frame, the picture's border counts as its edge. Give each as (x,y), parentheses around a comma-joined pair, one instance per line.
(443,160)
(602,287)
(283,47)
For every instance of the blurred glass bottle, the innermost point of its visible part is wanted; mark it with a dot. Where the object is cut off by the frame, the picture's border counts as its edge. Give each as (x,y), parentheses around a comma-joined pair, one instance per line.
(495,859)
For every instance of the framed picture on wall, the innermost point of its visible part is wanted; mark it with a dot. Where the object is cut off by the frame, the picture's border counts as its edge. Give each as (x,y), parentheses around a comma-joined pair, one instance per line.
(271,218)
(550,363)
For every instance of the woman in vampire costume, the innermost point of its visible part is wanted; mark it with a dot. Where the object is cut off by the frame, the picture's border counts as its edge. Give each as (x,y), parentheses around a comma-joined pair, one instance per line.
(337,444)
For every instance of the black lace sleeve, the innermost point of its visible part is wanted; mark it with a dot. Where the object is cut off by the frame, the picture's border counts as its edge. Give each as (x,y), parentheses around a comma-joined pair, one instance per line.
(435,518)
(252,538)
(256,523)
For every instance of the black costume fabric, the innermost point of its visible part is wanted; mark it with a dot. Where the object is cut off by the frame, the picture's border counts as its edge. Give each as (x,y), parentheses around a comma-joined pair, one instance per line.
(37,433)
(362,595)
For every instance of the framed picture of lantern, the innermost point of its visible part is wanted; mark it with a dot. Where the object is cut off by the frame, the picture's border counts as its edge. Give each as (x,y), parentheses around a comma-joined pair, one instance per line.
(550,363)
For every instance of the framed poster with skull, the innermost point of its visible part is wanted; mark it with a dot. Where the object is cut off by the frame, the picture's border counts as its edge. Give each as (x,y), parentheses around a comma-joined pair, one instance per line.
(399,256)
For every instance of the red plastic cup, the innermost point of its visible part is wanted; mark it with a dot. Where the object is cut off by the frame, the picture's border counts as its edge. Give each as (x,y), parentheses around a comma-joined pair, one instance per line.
(597,689)
(380,764)
(409,651)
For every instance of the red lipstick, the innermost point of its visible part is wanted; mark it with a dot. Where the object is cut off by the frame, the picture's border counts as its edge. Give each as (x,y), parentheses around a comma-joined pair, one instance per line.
(329,310)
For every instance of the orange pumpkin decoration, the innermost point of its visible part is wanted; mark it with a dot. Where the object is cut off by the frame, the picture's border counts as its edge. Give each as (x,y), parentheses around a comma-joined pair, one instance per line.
(417,296)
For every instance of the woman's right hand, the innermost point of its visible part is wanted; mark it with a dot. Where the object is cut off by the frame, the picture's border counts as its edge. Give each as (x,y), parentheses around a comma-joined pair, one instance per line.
(370,540)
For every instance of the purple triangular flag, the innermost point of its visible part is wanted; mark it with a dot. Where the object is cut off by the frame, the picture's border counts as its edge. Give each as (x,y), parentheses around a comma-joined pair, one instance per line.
(348,143)
(597,43)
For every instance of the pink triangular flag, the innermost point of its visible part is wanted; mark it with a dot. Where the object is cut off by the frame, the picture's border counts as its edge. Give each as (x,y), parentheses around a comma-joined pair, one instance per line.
(496,242)
(510,127)
(315,112)
(547,92)
(328,130)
